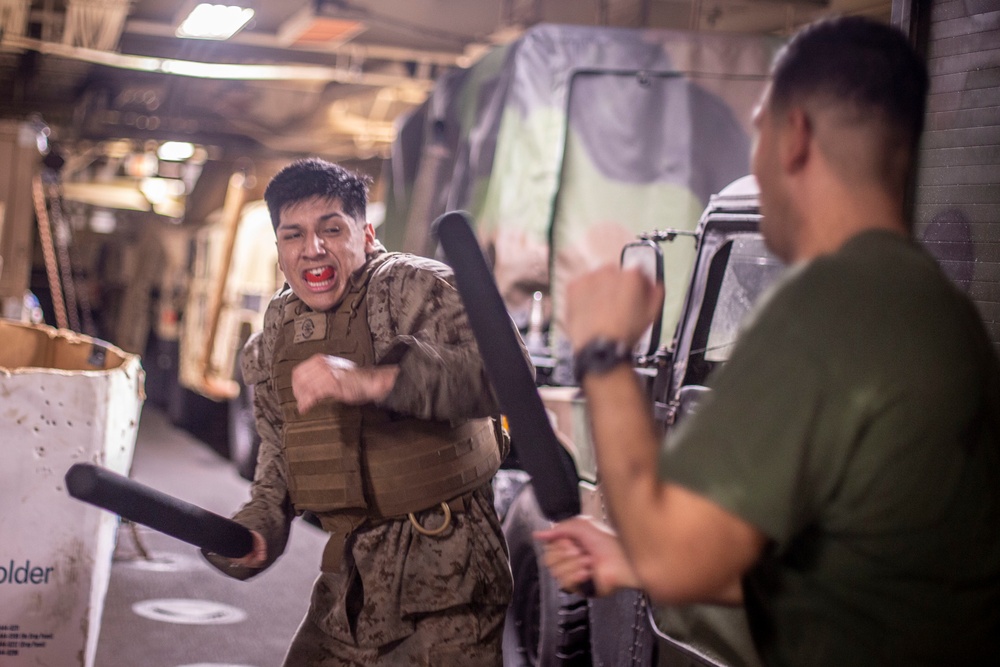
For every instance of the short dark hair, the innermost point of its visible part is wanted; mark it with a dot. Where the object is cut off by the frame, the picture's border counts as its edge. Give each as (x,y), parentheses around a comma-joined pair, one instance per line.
(858,62)
(313,177)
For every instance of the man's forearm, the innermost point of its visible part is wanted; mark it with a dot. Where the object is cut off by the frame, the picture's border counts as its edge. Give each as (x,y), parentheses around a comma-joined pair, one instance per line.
(269,510)
(627,450)
(682,546)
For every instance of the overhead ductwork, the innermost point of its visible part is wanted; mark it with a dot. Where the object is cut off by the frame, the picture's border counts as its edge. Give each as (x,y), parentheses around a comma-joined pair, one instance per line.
(95,24)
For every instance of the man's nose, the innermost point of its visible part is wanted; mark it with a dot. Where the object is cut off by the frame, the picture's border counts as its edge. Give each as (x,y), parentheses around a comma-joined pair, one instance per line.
(315,245)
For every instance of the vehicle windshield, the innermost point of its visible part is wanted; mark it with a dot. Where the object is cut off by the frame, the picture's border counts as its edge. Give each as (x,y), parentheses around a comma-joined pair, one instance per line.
(751,269)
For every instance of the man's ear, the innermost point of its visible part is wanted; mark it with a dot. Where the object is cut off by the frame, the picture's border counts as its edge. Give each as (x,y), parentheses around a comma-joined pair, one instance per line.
(797,139)
(369,238)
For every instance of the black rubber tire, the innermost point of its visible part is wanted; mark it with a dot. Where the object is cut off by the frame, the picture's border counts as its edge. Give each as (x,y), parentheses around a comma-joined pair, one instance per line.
(507,483)
(202,417)
(622,635)
(545,626)
(244,442)
(178,406)
(159,362)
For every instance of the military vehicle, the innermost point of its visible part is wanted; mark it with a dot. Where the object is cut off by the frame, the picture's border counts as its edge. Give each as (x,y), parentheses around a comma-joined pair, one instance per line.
(566,143)
(220,318)
(563,146)
(547,626)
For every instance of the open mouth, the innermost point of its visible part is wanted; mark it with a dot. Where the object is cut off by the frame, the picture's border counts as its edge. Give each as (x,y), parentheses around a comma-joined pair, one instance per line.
(320,277)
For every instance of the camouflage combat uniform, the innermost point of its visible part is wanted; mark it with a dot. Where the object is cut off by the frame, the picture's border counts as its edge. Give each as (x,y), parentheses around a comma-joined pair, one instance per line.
(389,595)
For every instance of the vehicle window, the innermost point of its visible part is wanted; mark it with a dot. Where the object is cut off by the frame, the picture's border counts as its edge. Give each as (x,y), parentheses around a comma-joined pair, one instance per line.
(751,270)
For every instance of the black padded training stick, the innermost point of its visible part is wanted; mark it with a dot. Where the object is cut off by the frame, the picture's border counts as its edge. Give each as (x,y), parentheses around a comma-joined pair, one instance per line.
(539,450)
(167,514)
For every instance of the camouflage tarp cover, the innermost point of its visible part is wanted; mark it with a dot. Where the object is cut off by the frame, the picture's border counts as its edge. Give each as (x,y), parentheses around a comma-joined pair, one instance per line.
(568,142)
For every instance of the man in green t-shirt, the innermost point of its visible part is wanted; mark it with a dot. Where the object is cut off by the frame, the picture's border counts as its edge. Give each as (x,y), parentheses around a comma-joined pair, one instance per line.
(843,480)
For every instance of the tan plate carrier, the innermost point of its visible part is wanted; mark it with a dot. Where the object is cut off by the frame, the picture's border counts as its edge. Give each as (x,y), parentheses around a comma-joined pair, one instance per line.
(347,463)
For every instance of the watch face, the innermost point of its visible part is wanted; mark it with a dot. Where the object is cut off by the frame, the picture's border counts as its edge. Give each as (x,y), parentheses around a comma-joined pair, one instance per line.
(599,356)
(604,355)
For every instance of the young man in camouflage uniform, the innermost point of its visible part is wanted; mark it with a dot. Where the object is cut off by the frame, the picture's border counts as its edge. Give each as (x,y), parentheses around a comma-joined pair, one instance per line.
(375,414)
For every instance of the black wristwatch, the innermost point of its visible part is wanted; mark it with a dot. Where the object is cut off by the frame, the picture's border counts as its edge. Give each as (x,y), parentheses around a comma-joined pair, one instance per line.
(600,356)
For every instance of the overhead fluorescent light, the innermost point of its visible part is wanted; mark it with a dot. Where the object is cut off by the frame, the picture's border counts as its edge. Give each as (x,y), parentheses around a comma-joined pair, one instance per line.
(157,190)
(118,193)
(102,221)
(207,21)
(164,194)
(175,151)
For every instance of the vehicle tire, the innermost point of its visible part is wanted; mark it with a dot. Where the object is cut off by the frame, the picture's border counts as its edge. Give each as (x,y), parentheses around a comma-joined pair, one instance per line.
(507,483)
(160,365)
(545,626)
(179,410)
(622,635)
(202,417)
(244,442)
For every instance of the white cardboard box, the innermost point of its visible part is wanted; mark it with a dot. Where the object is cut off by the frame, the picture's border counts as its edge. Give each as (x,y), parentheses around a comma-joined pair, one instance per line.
(64,399)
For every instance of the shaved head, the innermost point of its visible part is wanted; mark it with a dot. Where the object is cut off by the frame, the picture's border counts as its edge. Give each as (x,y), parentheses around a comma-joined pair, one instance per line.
(865,88)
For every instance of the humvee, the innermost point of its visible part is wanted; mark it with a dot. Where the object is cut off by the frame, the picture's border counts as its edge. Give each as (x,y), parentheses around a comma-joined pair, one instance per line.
(547,626)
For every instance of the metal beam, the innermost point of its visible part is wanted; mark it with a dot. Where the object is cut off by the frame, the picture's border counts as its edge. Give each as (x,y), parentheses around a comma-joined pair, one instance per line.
(367,51)
(224,71)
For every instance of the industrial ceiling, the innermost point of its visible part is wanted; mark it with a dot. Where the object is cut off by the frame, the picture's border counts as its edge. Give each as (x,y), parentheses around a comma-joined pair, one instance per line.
(325,77)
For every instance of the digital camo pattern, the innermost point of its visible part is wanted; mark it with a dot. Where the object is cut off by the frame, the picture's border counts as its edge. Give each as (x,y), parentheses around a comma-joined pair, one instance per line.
(426,597)
(394,586)
(418,321)
(571,140)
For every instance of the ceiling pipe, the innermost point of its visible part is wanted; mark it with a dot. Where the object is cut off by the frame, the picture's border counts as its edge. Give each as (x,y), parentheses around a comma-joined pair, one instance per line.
(224,71)
(367,51)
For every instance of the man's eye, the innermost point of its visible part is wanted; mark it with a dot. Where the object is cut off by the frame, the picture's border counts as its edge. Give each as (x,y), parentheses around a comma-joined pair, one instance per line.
(332,231)
(288,236)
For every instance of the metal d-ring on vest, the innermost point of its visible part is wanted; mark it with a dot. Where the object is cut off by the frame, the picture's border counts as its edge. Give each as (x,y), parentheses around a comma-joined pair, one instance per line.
(431,532)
